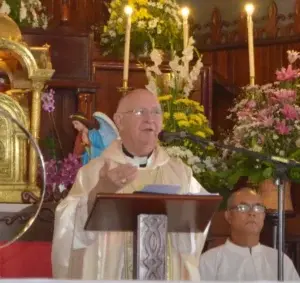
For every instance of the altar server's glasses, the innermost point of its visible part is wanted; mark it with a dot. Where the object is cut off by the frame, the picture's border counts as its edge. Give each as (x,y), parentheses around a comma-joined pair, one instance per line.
(244,207)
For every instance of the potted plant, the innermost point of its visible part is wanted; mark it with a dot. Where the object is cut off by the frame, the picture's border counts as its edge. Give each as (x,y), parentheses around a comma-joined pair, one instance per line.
(266,120)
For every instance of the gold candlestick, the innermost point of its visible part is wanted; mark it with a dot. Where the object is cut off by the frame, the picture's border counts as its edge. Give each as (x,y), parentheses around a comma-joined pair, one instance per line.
(249,10)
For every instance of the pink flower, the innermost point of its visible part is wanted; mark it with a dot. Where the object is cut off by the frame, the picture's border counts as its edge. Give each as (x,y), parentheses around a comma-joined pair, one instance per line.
(268,121)
(48,101)
(289,112)
(284,95)
(282,128)
(251,104)
(286,74)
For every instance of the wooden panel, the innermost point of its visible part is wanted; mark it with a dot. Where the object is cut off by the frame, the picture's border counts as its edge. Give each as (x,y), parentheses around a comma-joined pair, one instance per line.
(70,52)
(110,76)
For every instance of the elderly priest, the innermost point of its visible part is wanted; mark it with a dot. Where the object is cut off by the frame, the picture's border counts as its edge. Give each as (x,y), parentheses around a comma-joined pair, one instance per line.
(242,257)
(126,166)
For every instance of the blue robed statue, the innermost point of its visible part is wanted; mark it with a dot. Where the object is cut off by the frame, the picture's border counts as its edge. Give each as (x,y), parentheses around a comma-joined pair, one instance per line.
(93,135)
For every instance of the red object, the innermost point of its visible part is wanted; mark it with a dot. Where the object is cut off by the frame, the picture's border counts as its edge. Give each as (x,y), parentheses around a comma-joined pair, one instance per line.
(26,259)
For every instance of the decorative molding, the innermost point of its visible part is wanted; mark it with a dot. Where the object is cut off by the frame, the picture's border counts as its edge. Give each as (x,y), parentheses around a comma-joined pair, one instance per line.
(152,247)
(218,32)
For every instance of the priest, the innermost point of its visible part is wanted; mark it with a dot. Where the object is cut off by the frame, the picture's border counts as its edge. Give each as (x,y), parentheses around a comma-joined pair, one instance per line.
(242,257)
(127,165)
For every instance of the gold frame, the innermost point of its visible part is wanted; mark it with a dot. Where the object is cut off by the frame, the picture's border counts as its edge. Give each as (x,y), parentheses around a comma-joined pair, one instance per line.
(37,70)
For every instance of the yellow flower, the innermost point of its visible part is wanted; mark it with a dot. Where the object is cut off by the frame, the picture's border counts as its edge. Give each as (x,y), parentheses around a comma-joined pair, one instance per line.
(183,124)
(200,134)
(209,131)
(200,108)
(180,116)
(193,123)
(166,115)
(165,97)
(185,101)
(198,119)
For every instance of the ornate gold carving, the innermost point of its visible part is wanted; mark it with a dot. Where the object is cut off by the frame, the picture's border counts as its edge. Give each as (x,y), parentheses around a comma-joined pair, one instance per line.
(9,29)
(15,177)
(2,151)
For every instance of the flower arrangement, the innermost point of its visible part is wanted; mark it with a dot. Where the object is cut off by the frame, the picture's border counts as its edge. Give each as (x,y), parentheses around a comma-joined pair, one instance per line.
(266,120)
(154,23)
(60,173)
(29,13)
(181,113)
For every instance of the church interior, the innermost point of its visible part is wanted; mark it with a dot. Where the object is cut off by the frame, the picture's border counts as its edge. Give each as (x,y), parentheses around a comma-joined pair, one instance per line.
(64,58)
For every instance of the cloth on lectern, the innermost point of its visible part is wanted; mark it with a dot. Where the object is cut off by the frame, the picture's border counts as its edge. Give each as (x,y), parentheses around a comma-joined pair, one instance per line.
(109,255)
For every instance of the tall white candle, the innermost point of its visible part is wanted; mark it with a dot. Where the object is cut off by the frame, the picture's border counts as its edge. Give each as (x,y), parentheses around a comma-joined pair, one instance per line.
(128,12)
(249,10)
(185,15)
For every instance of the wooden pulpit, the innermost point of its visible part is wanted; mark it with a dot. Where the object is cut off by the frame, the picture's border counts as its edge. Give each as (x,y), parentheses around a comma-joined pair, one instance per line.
(150,217)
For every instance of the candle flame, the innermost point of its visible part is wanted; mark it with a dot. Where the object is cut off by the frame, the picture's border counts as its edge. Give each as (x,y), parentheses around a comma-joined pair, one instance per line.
(185,11)
(128,10)
(249,8)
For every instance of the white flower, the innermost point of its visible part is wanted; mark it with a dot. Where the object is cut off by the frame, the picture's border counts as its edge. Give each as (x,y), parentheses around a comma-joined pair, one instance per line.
(5,8)
(152,24)
(188,54)
(194,74)
(23,12)
(155,70)
(156,57)
(297,142)
(141,24)
(174,64)
(61,187)
(112,33)
(196,169)
(151,86)
(292,56)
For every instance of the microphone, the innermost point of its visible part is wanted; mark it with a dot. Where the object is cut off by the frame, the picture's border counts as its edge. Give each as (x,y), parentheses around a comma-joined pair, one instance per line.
(171,136)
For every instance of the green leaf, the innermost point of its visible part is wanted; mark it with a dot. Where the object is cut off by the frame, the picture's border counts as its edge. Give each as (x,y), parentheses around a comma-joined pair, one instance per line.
(268,172)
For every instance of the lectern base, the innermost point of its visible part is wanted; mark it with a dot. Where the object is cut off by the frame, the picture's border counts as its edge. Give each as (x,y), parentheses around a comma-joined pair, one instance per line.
(151,247)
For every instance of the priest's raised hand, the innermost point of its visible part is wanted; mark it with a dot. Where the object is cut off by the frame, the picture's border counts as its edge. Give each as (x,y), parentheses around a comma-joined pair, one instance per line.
(112,180)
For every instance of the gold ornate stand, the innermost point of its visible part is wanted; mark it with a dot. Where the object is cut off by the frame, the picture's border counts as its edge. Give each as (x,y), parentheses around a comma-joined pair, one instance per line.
(27,68)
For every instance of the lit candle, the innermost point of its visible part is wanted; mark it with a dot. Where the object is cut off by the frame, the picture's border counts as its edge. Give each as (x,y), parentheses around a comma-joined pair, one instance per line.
(128,12)
(185,15)
(249,10)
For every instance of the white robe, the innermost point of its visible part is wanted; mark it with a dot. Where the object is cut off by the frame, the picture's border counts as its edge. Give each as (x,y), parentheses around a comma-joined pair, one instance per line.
(230,262)
(79,254)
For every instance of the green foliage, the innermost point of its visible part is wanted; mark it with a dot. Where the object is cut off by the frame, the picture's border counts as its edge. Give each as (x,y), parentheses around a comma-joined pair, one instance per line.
(154,24)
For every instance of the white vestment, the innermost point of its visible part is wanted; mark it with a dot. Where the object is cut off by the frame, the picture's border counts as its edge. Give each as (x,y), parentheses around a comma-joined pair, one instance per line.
(230,262)
(79,254)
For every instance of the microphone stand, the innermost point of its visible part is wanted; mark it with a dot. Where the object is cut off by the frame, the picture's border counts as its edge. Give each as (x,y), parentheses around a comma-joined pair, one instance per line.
(281,175)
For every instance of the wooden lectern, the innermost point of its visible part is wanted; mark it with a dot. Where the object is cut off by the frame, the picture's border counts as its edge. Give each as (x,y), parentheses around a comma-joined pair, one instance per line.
(150,217)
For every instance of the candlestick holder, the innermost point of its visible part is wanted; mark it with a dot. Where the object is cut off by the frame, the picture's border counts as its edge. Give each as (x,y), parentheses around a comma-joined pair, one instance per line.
(125,88)
(65,12)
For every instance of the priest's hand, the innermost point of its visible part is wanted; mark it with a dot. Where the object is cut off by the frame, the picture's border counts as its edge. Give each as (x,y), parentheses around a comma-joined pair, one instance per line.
(112,180)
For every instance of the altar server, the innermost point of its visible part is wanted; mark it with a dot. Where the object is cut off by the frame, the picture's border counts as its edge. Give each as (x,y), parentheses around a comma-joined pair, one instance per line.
(242,257)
